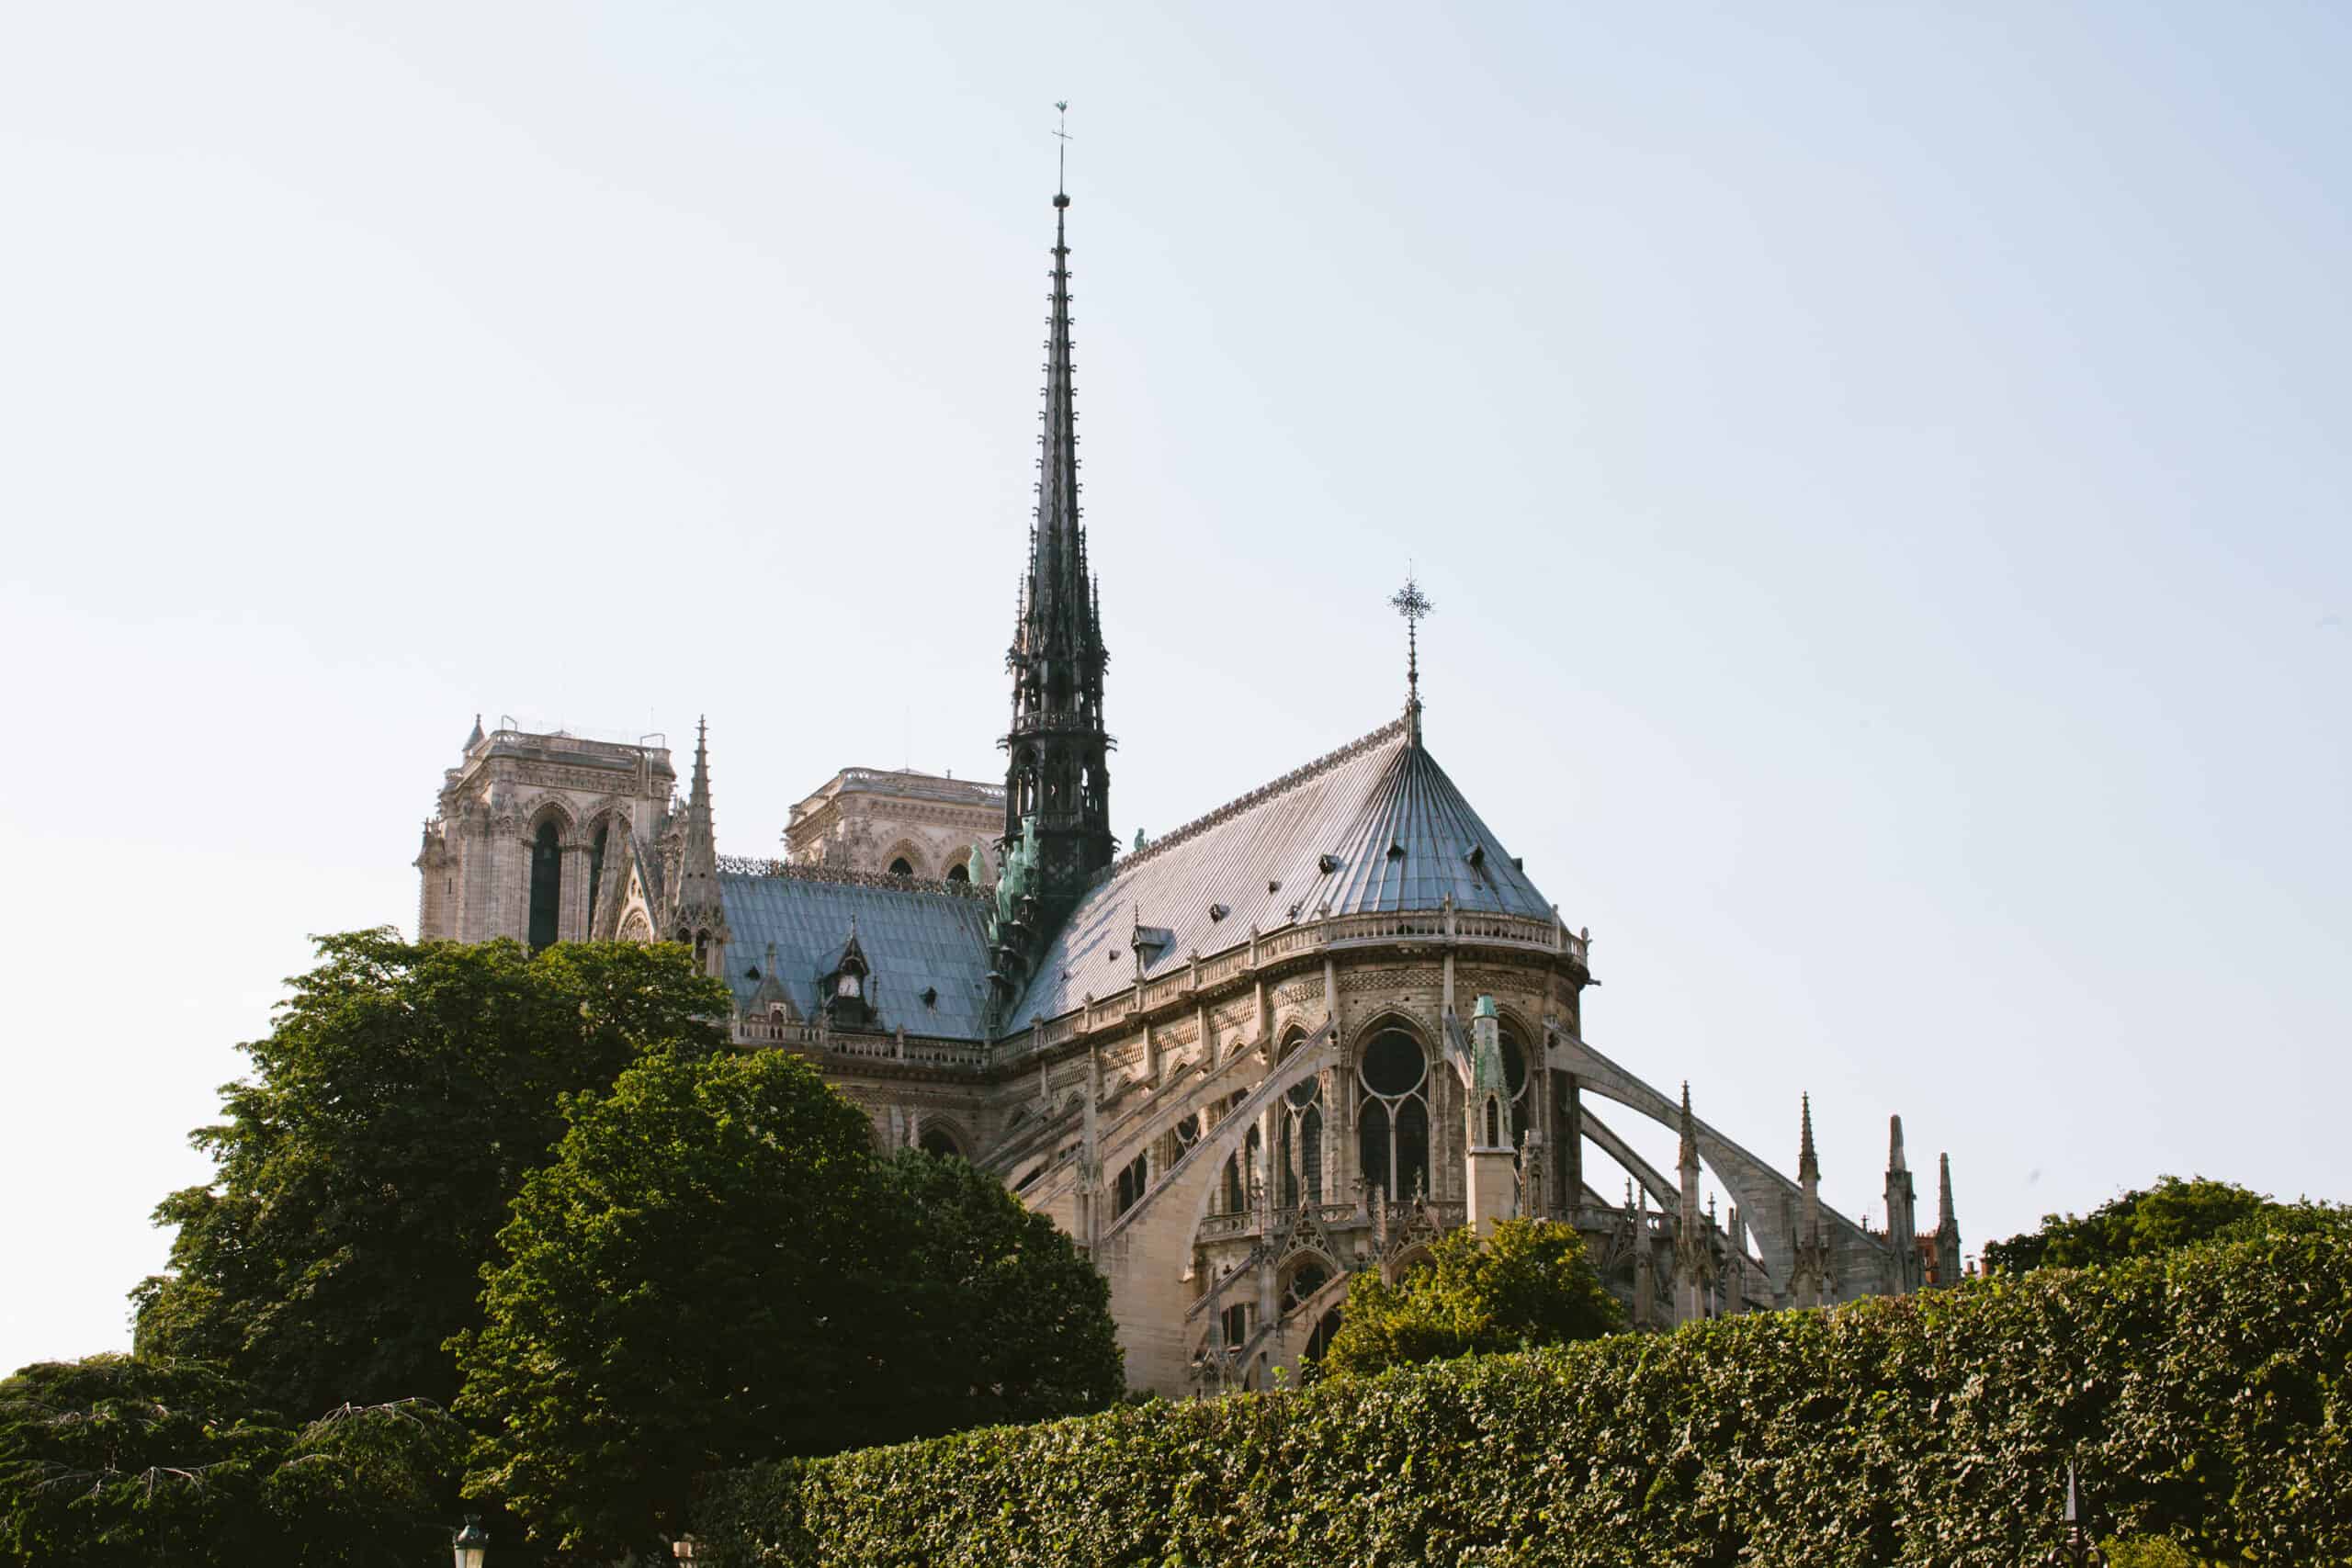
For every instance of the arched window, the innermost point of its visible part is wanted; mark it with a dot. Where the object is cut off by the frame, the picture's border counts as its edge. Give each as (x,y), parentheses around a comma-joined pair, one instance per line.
(546,883)
(1302,1143)
(1393,1114)
(937,1140)
(1304,1281)
(900,868)
(1132,1183)
(1235,1320)
(1326,1330)
(959,872)
(1515,1076)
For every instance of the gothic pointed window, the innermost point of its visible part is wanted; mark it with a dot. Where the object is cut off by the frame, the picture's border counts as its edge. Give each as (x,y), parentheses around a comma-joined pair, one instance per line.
(959,872)
(900,868)
(546,883)
(1392,1115)
(1302,1144)
(936,1141)
(1132,1183)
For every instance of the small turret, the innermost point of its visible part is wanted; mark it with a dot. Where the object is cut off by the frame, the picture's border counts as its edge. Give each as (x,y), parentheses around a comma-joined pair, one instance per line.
(1693,1270)
(1492,1185)
(1902,1216)
(1948,1261)
(699,917)
(1809,1284)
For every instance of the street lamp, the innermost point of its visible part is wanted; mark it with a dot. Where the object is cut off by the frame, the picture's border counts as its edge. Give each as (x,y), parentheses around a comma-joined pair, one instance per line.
(2077,1551)
(682,1548)
(470,1547)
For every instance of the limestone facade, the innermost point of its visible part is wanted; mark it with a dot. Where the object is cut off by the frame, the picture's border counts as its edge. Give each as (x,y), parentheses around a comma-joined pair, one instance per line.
(881,820)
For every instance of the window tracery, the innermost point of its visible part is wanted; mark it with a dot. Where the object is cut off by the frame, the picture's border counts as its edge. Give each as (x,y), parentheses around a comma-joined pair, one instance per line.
(1393,1114)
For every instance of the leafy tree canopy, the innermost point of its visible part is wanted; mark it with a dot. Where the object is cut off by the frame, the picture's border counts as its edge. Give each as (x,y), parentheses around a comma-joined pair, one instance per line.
(1528,1284)
(715,1269)
(2174,1213)
(115,1459)
(401,1097)
(996,1316)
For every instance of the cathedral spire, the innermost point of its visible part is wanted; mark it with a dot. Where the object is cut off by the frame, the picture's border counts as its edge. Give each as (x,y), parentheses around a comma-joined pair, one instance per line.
(1413,605)
(1058,789)
(1808,1162)
(700,917)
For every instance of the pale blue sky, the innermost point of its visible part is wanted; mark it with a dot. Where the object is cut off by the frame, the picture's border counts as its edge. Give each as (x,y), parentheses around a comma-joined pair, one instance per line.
(1880,470)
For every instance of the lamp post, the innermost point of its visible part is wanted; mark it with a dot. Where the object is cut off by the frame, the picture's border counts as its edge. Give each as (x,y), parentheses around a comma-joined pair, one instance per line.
(2077,1551)
(470,1546)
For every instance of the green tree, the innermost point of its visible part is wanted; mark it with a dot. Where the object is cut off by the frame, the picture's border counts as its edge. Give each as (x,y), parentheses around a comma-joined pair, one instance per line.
(2174,1213)
(402,1095)
(994,1315)
(715,1269)
(115,1459)
(684,1288)
(1528,1284)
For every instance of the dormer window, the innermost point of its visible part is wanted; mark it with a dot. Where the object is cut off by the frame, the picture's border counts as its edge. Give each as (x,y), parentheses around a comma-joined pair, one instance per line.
(1218,912)
(1327,863)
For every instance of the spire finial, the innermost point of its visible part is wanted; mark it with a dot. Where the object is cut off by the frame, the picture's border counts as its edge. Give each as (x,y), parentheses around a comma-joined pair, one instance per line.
(1412,604)
(1061,154)
(1808,1164)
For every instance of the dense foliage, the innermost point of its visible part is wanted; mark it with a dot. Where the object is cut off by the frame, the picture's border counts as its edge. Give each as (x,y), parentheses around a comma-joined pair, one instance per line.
(115,1459)
(402,1096)
(2174,1213)
(992,1314)
(1527,1285)
(713,1269)
(2203,1390)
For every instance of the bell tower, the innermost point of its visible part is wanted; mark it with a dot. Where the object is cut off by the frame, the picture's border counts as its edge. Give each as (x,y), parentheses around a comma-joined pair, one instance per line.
(1057,780)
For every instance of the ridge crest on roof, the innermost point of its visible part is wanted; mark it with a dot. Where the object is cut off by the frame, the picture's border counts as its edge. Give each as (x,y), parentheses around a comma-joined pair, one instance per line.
(742,865)
(1232,808)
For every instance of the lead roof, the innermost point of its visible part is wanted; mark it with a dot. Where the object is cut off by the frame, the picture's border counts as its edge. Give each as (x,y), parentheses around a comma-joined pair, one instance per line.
(1397,833)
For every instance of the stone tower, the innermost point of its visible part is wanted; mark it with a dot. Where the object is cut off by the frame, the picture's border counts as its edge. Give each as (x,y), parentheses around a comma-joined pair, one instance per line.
(524,829)
(1058,780)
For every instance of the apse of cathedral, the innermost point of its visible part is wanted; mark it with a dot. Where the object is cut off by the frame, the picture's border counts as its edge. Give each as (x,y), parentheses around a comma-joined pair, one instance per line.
(1296,1039)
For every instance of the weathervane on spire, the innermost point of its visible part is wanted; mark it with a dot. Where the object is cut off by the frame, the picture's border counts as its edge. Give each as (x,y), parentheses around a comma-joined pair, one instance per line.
(1061,155)
(1412,604)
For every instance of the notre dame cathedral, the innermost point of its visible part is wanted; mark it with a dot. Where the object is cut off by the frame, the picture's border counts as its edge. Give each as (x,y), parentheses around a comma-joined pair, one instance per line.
(1297,1038)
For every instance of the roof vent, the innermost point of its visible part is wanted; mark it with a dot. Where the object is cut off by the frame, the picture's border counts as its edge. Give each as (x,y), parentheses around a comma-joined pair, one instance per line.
(931,995)
(1395,852)
(752,973)
(1273,887)
(1329,863)
(1518,863)
(1218,912)
(1295,908)
(1114,955)
(1477,855)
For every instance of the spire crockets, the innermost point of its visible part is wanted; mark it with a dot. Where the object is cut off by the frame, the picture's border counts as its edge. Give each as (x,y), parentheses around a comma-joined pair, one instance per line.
(1057,783)
(700,919)
(1692,1265)
(1809,1284)
(1902,1215)
(1948,1261)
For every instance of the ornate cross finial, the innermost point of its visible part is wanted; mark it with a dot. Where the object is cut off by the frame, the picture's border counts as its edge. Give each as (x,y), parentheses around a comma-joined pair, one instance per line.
(1061,154)
(1412,604)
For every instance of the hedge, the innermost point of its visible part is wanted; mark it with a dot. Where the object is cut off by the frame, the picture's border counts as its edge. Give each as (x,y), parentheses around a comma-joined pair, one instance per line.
(2201,1394)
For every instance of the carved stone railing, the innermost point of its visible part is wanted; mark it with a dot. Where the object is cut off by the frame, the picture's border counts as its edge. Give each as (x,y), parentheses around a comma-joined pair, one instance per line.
(747,865)
(922,787)
(1256,952)
(1224,1227)
(905,1050)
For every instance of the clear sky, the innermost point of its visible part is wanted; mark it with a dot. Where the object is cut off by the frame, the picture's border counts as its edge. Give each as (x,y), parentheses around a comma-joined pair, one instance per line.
(1880,470)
